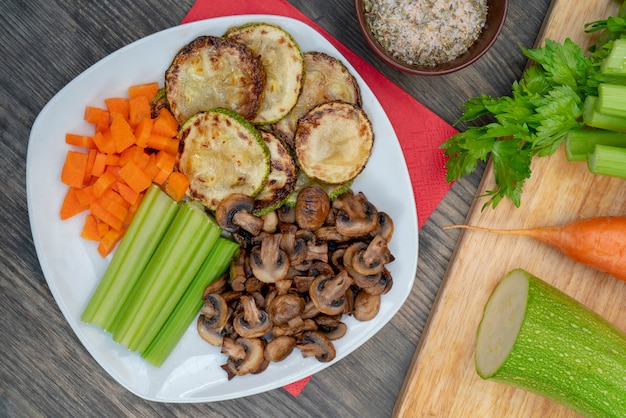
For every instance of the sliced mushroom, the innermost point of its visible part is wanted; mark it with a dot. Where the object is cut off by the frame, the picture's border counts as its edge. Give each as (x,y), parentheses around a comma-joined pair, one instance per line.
(245,355)
(366,306)
(207,333)
(214,311)
(329,233)
(312,207)
(270,222)
(279,348)
(218,286)
(295,326)
(235,212)
(268,262)
(285,307)
(382,286)
(355,215)
(328,293)
(331,327)
(294,246)
(286,214)
(252,322)
(314,343)
(368,259)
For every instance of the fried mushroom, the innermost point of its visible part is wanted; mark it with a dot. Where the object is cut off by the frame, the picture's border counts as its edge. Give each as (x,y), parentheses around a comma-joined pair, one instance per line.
(235,212)
(268,262)
(328,293)
(245,355)
(252,322)
(314,343)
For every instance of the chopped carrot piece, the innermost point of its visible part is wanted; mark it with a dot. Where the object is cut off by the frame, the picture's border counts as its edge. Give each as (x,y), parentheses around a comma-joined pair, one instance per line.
(113,159)
(151,168)
(73,172)
(113,196)
(104,182)
(103,227)
(119,105)
(71,205)
(79,140)
(176,185)
(121,132)
(136,154)
(135,177)
(90,229)
(165,124)
(108,241)
(99,164)
(91,158)
(85,196)
(104,123)
(148,90)
(115,208)
(139,109)
(163,143)
(104,142)
(93,114)
(165,162)
(131,196)
(142,131)
(104,215)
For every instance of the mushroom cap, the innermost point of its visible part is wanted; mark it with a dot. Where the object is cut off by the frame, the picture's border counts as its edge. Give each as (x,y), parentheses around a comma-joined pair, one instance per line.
(235,212)
(314,343)
(279,348)
(331,327)
(366,306)
(252,322)
(355,215)
(285,307)
(328,293)
(245,355)
(312,207)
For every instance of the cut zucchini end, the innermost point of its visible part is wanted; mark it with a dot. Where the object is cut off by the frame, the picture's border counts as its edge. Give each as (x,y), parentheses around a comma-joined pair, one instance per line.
(501,323)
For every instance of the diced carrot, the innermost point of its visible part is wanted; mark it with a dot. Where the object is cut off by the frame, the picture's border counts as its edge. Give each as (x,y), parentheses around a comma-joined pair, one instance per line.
(133,209)
(151,168)
(104,182)
(121,132)
(99,164)
(142,131)
(165,124)
(93,114)
(115,208)
(128,194)
(148,90)
(85,196)
(90,229)
(91,157)
(71,205)
(163,143)
(73,172)
(176,185)
(104,215)
(118,105)
(108,241)
(104,123)
(113,159)
(136,154)
(135,177)
(79,140)
(113,196)
(104,142)
(103,228)
(139,109)
(165,163)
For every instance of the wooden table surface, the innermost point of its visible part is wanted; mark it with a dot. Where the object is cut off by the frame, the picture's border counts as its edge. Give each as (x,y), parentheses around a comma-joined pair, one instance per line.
(44,369)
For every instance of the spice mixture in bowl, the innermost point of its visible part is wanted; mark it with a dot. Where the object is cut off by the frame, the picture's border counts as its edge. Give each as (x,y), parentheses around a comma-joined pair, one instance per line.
(430,37)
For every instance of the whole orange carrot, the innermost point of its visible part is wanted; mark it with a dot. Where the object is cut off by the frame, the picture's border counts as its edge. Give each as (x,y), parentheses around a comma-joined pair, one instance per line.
(597,242)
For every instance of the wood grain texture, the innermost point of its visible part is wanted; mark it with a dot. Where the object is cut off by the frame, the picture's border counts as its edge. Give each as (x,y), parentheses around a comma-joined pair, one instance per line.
(44,370)
(442,381)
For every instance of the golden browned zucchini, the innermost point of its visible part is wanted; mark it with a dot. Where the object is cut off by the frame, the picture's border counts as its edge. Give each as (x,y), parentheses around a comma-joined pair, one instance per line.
(222,153)
(212,72)
(283,63)
(333,142)
(326,79)
(281,180)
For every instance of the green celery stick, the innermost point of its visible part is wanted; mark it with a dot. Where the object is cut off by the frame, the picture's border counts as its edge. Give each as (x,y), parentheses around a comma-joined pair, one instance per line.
(581,142)
(187,308)
(612,100)
(173,265)
(592,117)
(608,161)
(132,255)
(615,62)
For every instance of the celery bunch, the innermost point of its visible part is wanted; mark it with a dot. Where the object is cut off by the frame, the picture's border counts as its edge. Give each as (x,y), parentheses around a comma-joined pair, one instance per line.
(153,286)
(562,93)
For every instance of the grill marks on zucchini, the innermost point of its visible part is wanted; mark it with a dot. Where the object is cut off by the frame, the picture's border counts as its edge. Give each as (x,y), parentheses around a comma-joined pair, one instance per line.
(222,153)
(326,79)
(283,63)
(333,142)
(212,72)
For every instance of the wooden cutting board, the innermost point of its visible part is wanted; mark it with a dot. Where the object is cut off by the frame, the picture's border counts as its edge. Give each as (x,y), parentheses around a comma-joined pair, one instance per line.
(441,381)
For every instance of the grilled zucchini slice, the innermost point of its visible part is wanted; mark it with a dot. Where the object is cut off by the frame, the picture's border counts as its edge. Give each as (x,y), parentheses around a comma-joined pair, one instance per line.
(221,154)
(212,72)
(283,63)
(281,180)
(326,79)
(333,142)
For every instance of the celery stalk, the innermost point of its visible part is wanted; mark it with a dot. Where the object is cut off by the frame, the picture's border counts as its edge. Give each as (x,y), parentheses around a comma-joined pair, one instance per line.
(612,100)
(608,161)
(153,216)
(187,308)
(592,117)
(615,62)
(581,142)
(176,260)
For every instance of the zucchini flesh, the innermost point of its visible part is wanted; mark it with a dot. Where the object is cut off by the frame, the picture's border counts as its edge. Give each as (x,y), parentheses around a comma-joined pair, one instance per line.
(534,337)
(222,153)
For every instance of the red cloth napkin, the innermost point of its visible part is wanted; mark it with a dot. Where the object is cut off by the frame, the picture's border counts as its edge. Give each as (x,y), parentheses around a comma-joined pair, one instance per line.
(419,131)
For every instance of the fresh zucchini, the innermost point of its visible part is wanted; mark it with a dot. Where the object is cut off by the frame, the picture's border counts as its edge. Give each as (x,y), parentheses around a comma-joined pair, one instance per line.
(326,79)
(534,337)
(283,63)
(281,179)
(212,72)
(221,154)
(333,142)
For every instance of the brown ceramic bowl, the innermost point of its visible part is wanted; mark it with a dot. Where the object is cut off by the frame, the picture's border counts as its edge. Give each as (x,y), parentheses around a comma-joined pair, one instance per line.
(496,17)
